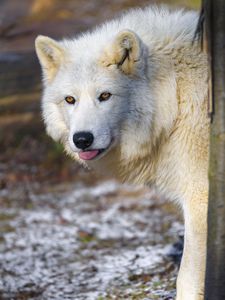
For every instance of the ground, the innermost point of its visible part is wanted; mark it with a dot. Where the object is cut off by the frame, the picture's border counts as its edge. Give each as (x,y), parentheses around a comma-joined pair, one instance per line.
(81,241)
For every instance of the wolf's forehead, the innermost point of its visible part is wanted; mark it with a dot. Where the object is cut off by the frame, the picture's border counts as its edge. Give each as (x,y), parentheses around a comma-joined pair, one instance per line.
(84,75)
(84,69)
(81,68)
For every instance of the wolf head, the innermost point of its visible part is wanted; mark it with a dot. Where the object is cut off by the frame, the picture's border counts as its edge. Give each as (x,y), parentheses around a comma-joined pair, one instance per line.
(94,92)
(99,96)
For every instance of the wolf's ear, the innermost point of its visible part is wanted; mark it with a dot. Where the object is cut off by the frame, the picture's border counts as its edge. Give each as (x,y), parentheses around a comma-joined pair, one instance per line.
(126,51)
(50,54)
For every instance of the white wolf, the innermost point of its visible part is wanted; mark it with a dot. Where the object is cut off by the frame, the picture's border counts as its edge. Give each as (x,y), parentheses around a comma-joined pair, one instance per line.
(129,99)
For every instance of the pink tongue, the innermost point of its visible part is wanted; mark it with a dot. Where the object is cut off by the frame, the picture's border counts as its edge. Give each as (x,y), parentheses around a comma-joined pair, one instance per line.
(87,155)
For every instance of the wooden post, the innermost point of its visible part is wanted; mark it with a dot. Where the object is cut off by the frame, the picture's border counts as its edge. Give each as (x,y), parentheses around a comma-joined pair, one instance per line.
(215,267)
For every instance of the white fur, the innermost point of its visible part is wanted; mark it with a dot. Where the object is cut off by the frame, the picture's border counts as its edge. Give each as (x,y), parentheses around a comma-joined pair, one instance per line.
(156,120)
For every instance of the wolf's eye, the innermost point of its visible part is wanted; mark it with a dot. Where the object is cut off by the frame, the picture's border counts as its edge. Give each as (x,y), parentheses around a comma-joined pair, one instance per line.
(70,99)
(104,96)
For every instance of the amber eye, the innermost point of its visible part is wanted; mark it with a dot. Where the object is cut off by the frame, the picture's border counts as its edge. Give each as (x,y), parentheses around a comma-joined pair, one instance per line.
(104,96)
(70,99)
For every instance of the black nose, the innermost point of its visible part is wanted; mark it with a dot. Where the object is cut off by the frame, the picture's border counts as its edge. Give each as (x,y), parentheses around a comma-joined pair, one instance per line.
(83,139)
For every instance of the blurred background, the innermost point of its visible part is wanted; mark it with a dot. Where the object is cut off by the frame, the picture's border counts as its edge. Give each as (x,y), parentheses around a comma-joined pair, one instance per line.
(33,167)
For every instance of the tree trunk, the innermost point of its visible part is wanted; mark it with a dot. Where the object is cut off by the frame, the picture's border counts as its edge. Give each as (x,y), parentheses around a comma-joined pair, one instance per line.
(215,269)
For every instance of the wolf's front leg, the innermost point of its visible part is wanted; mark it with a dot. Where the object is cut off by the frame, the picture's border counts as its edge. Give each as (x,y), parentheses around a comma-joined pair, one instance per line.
(191,277)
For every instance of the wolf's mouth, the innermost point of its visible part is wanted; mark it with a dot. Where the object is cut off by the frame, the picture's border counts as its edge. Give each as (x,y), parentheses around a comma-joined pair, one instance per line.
(91,154)
(94,153)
